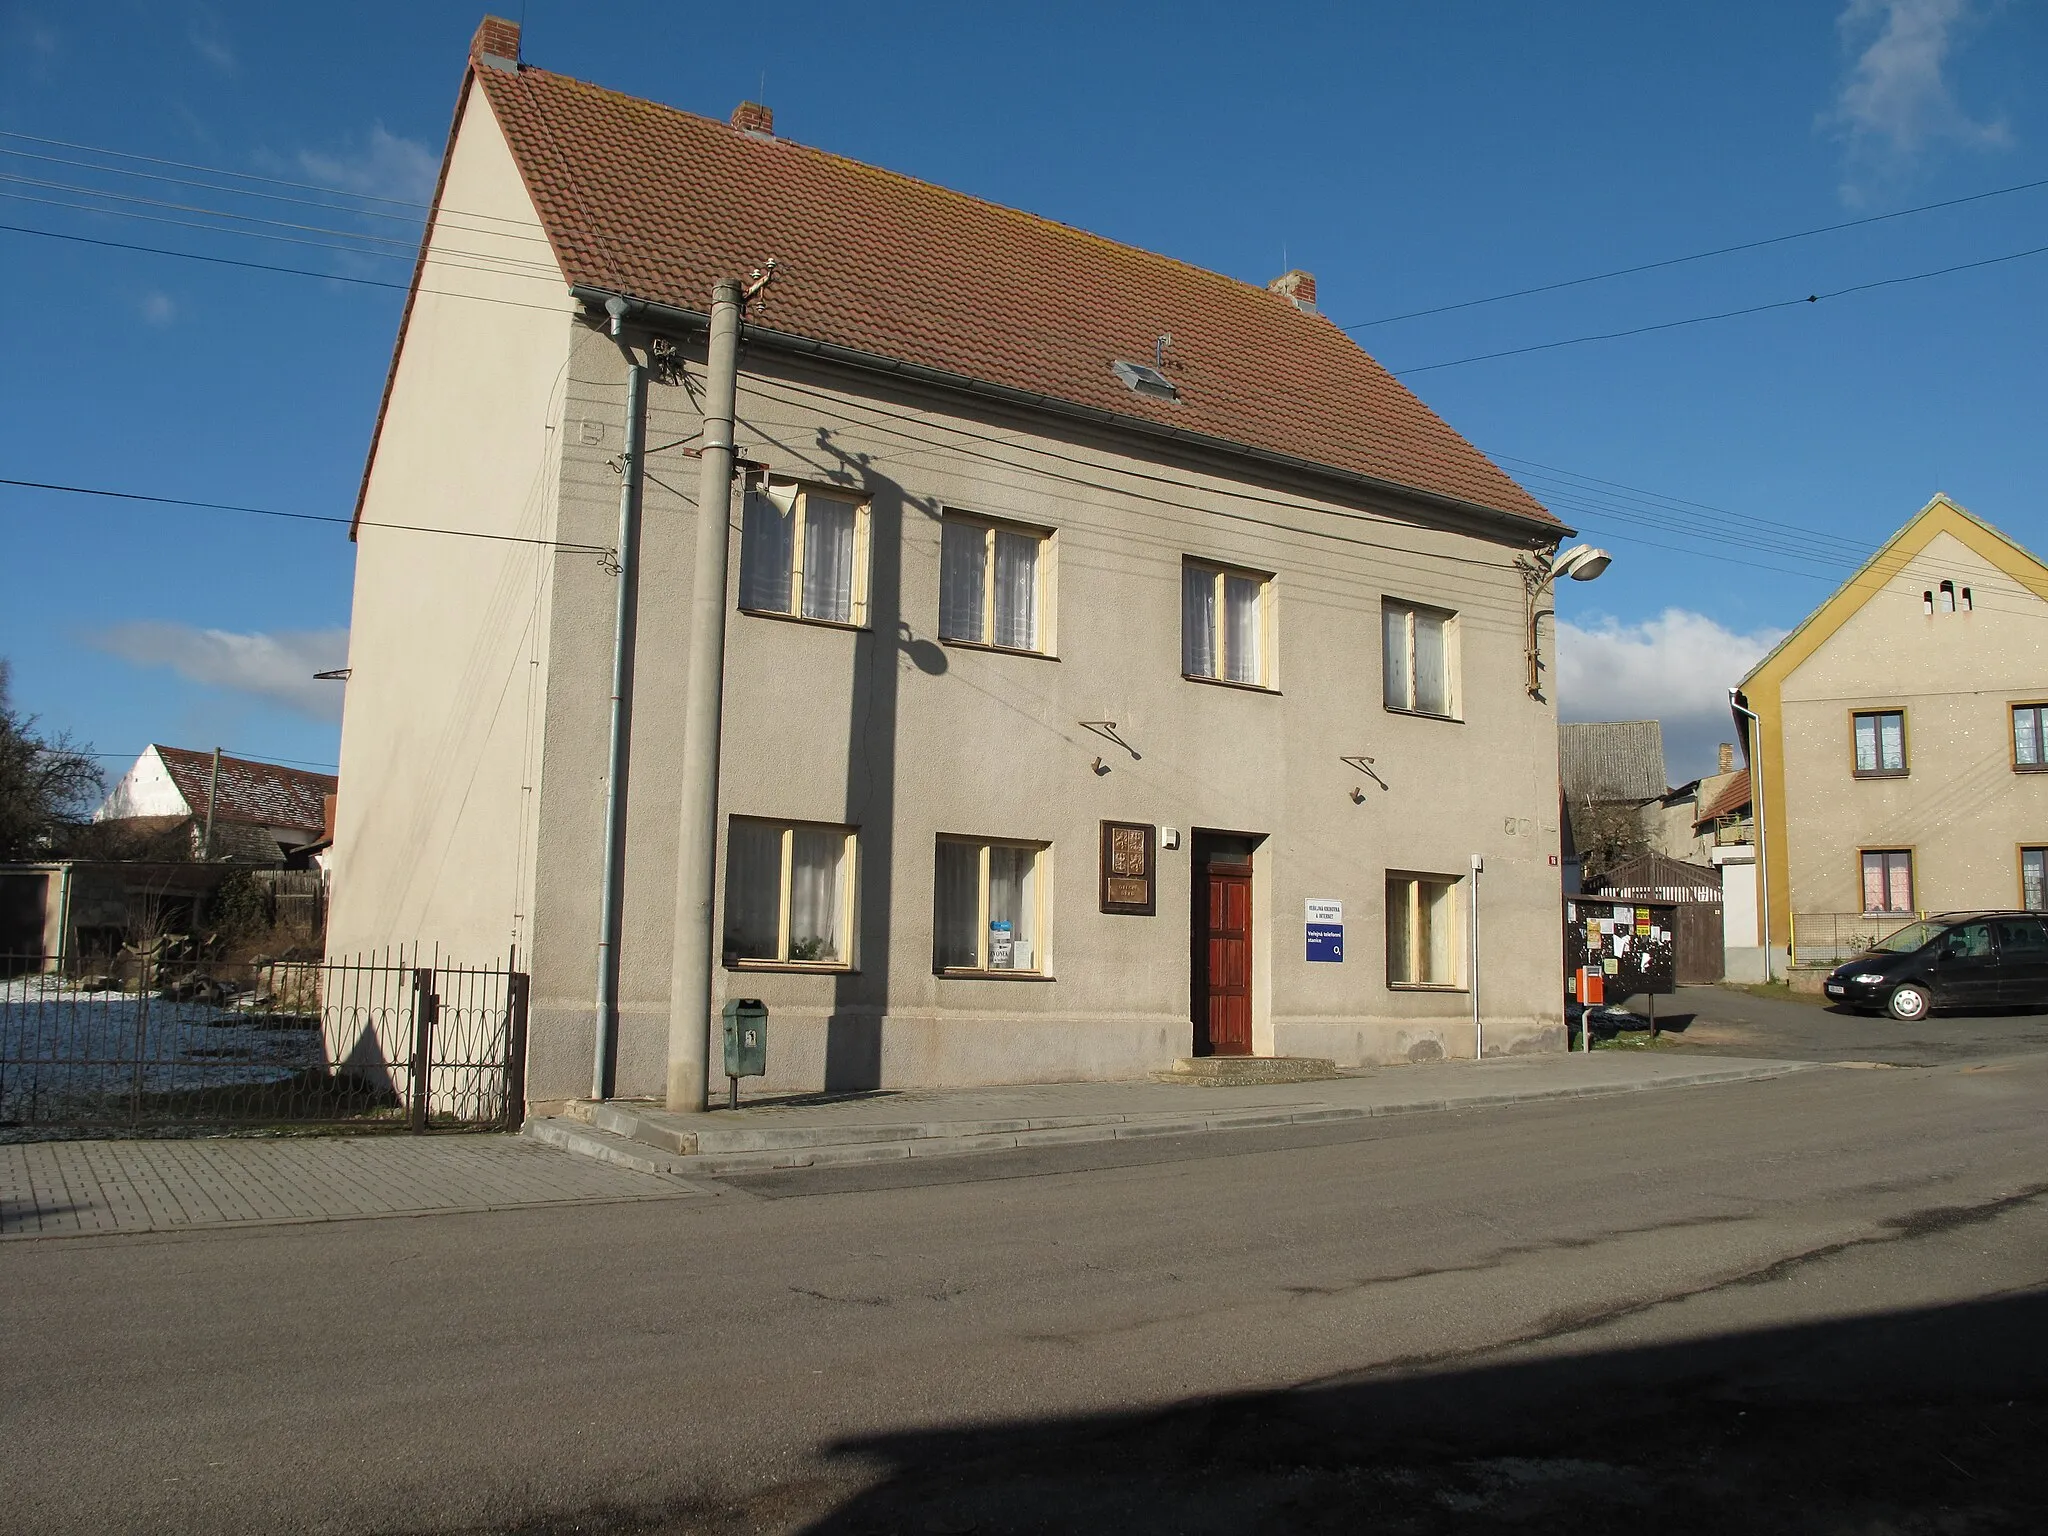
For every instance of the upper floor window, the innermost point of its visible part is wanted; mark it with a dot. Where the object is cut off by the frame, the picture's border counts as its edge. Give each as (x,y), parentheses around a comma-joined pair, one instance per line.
(992,584)
(2030,737)
(1419,669)
(1880,743)
(788,893)
(1225,624)
(803,553)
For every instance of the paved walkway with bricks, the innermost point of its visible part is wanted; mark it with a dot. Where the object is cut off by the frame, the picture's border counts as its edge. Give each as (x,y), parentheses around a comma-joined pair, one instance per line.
(73,1188)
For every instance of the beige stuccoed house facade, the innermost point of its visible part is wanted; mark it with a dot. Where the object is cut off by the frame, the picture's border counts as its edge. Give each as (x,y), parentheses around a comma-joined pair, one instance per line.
(1902,765)
(1051,704)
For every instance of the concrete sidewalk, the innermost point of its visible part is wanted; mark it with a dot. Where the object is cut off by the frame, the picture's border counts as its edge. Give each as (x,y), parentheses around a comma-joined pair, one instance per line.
(77,1188)
(823,1132)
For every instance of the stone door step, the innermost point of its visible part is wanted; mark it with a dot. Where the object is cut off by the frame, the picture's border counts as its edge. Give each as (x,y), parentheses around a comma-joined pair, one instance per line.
(1234,1071)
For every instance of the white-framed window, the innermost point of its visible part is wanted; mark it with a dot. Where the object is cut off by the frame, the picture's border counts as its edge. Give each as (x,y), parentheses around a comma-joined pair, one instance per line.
(988,906)
(804,554)
(1226,624)
(1425,930)
(1419,658)
(788,893)
(994,584)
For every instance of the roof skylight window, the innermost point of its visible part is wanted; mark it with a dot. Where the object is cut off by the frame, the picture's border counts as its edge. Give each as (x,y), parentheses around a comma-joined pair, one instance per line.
(1145,380)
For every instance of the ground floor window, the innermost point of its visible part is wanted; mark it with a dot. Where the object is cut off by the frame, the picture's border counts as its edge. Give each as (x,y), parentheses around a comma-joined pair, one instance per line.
(1422,931)
(788,893)
(1887,880)
(987,912)
(2034,879)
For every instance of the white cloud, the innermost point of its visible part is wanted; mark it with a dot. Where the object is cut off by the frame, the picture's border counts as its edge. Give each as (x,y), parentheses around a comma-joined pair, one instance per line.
(207,41)
(385,166)
(278,666)
(158,307)
(1677,668)
(1897,100)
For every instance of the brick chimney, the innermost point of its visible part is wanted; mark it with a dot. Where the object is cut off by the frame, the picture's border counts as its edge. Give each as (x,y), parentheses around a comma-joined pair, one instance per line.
(496,44)
(752,117)
(1727,757)
(1298,288)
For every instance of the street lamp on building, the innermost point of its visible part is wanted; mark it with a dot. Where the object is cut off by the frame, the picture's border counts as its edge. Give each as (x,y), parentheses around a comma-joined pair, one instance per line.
(1582,562)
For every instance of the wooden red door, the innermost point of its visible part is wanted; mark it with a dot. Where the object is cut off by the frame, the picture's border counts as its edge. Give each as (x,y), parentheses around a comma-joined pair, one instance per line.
(1227,961)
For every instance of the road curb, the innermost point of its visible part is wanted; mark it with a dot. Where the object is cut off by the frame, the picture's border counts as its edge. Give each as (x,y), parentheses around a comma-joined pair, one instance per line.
(814,1147)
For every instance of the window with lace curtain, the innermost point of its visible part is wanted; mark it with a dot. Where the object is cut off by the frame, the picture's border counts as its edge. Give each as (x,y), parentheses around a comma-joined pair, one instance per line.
(788,894)
(988,906)
(993,583)
(803,554)
(1226,625)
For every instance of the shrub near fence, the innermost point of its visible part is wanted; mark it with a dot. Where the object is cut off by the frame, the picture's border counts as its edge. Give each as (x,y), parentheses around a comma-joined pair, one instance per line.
(393,1040)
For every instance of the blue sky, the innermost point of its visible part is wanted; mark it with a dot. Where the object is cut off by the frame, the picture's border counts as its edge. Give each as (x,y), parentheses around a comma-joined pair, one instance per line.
(1410,156)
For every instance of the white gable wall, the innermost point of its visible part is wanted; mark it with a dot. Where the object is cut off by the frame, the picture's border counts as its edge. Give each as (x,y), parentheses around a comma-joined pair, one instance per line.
(447,647)
(147,789)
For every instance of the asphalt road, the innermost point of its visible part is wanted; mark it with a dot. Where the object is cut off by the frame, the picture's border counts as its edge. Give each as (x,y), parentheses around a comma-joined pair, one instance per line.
(1724,1022)
(1813,1303)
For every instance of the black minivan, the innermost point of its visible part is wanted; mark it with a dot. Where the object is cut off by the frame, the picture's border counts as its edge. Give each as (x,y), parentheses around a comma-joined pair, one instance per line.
(1951,960)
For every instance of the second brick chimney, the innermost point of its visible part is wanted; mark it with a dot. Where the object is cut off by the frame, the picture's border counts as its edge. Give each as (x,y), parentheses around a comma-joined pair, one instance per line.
(1298,288)
(752,117)
(1727,757)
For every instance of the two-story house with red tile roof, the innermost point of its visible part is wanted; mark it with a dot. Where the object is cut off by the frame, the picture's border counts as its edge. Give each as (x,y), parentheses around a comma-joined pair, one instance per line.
(1121,664)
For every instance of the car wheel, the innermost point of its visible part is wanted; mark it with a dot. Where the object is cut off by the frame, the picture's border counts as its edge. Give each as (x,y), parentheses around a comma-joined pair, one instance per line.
(1909,1002)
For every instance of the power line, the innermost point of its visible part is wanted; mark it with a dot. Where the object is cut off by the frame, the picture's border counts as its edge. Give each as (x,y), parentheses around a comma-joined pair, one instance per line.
(264,266)
(1675,261)
(412,219)
(214,170)
(308,517)
(1727,314)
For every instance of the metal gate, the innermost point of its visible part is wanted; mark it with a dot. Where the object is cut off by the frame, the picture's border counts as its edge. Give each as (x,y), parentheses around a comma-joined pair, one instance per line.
(399,1040)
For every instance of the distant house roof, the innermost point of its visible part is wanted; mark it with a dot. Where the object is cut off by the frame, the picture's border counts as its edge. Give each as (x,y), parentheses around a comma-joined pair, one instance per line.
(1731,799)
(266,794)
(1611,760)
(651,203)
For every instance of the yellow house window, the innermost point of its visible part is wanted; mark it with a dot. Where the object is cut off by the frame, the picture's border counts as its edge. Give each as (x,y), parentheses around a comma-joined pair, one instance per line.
(1880,743)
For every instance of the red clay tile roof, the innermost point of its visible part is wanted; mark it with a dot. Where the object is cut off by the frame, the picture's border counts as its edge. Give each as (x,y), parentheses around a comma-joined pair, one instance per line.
(267,794)
(1729,799)
(657,204)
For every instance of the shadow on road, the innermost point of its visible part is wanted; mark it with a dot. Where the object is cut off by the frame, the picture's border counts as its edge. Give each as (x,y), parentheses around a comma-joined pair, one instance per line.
(1919,1421)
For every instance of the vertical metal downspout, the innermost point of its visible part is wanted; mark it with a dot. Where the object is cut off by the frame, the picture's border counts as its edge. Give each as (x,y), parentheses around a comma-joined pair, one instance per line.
(689,1019)
(614,786)
(1478,1028)
(1756,811)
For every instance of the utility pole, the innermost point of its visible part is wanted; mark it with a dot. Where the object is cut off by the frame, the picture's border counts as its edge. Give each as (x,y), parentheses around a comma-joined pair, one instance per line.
(212,794)
(689,1017)
(622,671)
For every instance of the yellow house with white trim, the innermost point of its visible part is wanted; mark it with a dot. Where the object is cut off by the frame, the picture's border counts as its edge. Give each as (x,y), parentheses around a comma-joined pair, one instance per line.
(1902,737)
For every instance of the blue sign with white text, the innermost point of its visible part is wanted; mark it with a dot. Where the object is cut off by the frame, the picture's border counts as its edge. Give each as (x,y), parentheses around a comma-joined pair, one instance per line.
(1326,941)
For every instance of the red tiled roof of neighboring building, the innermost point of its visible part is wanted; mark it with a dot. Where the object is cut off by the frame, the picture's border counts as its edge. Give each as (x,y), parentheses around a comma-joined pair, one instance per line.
(658,204)
(267,794)
(1730,799)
